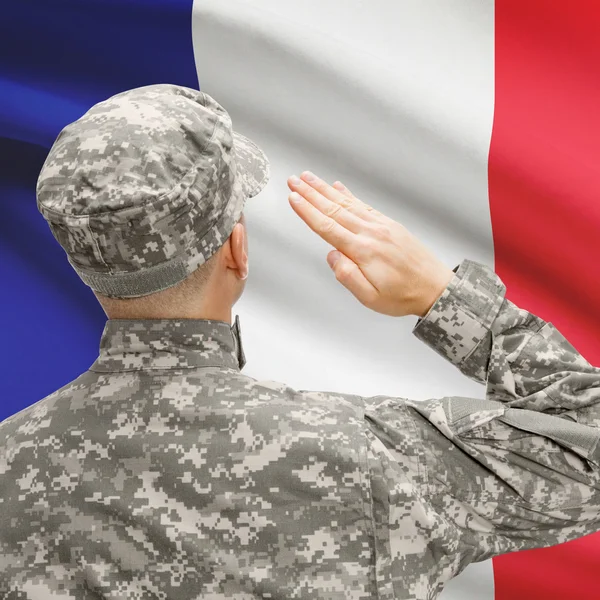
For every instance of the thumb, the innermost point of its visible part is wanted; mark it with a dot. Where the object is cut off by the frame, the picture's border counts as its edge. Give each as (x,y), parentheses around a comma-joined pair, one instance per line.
(351,277)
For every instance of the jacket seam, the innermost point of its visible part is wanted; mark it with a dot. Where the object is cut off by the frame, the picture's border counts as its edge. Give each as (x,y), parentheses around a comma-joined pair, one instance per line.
(362,454)
(422,468)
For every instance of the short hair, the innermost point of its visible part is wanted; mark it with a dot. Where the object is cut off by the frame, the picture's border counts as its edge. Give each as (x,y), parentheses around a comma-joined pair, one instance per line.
(177,296)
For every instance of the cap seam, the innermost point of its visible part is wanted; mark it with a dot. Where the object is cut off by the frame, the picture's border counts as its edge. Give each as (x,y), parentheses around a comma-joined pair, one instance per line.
(95,238)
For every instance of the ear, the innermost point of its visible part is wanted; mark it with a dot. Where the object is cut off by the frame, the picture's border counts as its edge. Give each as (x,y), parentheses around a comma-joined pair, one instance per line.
(237,257)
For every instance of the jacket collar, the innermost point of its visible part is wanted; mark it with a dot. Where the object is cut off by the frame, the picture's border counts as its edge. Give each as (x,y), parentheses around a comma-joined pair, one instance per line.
(131,345)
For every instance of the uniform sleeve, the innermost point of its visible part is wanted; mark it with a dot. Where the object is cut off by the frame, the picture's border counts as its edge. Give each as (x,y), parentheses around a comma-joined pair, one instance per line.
(521,468)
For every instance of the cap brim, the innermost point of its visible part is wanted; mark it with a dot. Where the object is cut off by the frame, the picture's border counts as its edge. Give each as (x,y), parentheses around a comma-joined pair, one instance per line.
(252,165)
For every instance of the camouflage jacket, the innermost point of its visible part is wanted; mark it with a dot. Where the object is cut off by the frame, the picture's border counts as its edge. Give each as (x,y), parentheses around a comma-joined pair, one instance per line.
(165,473)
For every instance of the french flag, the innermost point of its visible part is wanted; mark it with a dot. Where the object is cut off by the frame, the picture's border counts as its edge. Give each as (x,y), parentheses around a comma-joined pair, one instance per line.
(474,123)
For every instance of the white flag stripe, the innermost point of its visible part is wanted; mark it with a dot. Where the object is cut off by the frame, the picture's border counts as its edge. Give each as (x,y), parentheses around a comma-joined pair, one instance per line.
(395,99)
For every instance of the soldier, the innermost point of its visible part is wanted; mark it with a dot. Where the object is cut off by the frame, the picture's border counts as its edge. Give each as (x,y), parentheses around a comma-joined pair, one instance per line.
(164,472)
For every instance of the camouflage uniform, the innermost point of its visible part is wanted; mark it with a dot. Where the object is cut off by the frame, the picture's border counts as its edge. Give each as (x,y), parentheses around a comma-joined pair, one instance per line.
(164,472)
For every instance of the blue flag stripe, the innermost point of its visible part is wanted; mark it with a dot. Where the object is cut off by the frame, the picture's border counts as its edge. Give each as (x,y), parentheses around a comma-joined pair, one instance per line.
(56,60)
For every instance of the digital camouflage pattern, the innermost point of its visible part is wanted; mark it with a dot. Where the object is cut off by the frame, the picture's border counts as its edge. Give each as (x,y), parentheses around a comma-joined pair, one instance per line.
(146,186)
(164,472)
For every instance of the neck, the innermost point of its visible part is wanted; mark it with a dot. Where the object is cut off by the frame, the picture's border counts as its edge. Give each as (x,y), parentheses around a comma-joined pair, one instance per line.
(206,308)
(220,314)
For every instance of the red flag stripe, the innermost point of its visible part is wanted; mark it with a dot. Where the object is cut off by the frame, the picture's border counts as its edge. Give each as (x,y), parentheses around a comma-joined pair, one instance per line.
(544,189)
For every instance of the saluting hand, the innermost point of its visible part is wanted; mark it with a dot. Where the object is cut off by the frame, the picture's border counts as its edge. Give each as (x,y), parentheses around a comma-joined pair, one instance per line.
(386,268)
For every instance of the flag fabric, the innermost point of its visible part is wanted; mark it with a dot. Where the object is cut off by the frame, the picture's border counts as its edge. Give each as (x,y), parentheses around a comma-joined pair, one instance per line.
(473,123)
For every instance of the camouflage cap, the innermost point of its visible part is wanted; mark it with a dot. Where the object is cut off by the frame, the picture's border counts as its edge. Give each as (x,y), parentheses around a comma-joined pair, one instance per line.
(146,186)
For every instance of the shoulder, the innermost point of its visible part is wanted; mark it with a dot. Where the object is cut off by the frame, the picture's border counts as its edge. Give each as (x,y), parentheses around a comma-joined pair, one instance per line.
(277,393)
(45,413)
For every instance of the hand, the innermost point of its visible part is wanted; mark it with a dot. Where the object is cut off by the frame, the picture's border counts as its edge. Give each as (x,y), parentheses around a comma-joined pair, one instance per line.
(388,269)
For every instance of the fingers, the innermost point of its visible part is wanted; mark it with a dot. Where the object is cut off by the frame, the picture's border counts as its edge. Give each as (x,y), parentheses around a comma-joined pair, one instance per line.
(334,210)
(324,226)
(344,197)
(340,187)
(351,277)
(337,216)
